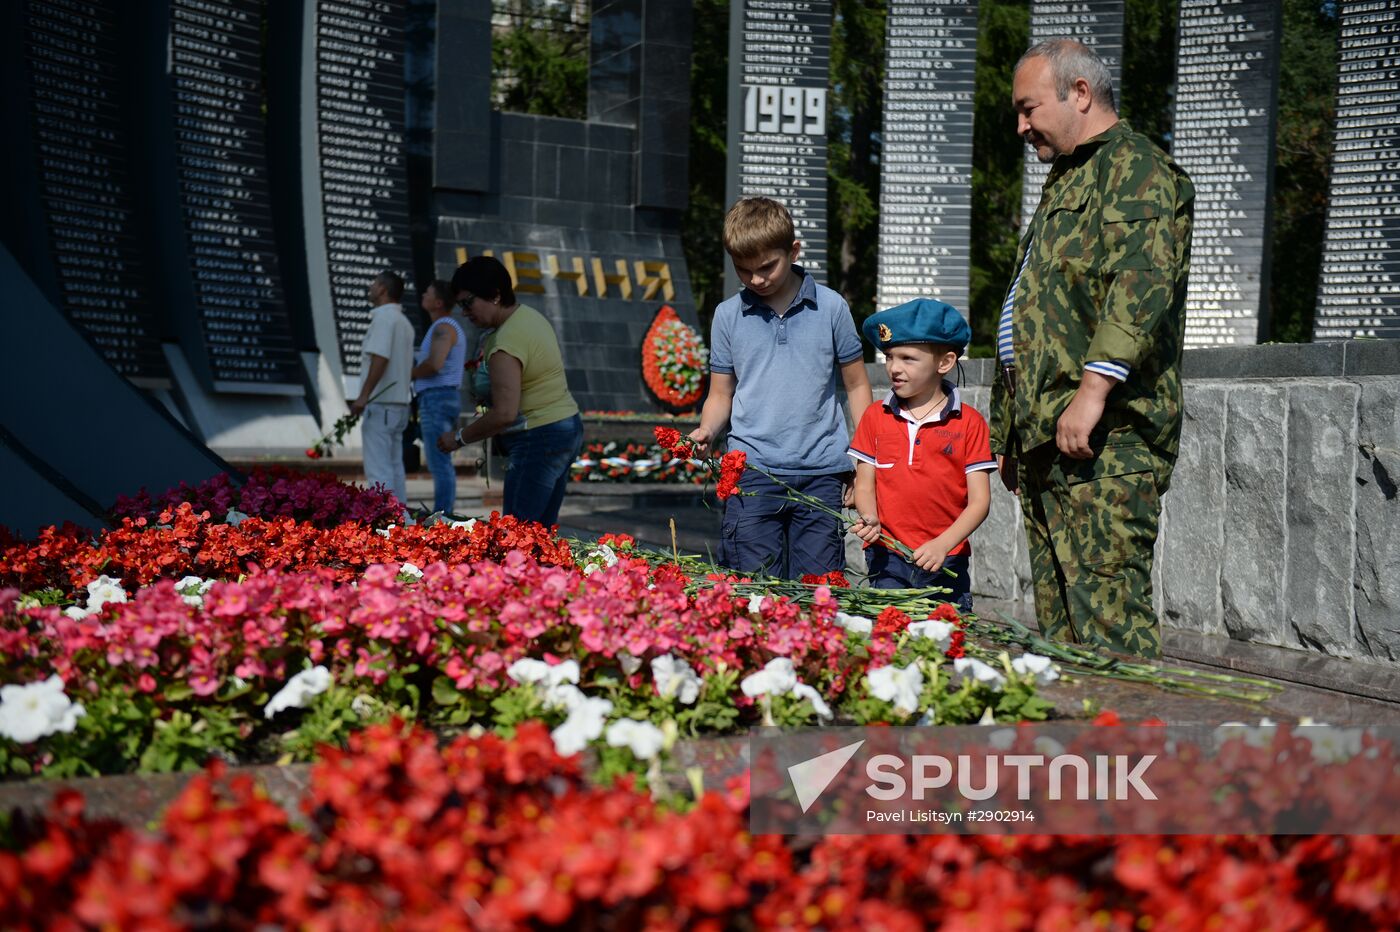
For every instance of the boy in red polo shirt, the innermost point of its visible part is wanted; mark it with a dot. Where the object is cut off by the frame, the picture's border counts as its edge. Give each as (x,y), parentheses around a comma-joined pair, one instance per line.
(923,457)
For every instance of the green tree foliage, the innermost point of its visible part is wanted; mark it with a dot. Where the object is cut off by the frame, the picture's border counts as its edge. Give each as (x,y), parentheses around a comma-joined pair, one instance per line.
(539,63)
(1149,68)
(854,116)
(1307,110)
(998,159)
(709,103)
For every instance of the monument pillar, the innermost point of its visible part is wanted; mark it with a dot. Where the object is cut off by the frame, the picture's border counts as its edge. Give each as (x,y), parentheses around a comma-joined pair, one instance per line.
(1359,295)
(926,160)
(1223,135)
(779,71)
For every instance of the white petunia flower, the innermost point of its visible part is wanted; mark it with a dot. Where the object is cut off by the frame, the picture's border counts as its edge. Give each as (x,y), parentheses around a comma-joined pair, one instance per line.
(300,690)
(76,612)
(1330,745)
(465,525)
(528,670)
(553,682)
(1004,739)
(34,710)
(854,623)
(102,590)
(585,722)
(410,570)
(628,662)
(756,602)
(940,632)
(974,669)
(192,589)
(899,685)
(564,696)
(675,678)
(643,738)
(777,678)
(803,691)
(1260,737)
(599,557)
(1042,668)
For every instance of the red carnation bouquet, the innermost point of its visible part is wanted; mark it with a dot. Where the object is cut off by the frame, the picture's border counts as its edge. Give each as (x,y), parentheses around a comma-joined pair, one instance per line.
(730,468)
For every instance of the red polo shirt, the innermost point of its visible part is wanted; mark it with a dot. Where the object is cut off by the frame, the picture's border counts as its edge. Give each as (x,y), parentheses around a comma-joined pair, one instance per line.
(921,467)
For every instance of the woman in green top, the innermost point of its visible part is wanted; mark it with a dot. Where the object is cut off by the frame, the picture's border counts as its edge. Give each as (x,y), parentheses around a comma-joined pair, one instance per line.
(532,412)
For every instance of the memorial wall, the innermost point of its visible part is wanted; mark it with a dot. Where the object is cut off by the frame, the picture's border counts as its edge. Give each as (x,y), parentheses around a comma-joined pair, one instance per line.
(72,119)
(364,187)
(1099,25)
(779,69)
(576,210)
(215,81)
(1223,135)
(1359,294)
(926,154)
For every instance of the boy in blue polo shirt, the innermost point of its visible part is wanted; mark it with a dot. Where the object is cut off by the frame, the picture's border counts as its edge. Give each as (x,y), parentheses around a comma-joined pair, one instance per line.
(775,350)
(922,456)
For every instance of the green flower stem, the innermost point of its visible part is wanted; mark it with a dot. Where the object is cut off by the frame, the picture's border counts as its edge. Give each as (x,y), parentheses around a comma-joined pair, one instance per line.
(1079,659)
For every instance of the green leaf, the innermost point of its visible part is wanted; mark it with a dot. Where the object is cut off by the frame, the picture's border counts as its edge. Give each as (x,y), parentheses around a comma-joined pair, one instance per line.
(445,692)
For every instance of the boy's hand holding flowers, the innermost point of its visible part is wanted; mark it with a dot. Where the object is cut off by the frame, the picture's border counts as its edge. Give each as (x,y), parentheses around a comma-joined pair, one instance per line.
(867,528)
(931,555)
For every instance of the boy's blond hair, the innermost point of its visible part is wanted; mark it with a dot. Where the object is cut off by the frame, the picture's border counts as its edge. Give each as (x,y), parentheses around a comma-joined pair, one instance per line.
(755,225)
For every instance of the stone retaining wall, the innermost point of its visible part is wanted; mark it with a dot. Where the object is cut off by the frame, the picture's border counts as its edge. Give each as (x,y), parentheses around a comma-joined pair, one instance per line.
(1282,525)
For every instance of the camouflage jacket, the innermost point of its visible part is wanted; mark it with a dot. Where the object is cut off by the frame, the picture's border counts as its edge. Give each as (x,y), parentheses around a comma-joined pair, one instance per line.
(1106,280)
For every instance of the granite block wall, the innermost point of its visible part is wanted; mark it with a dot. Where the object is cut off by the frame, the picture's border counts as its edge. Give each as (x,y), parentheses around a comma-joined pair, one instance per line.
(1282,523)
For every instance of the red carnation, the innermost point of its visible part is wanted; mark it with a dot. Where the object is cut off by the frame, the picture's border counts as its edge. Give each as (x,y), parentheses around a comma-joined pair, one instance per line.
(891,621)
(313,453)
(731,468)
(668,437)
(945,612)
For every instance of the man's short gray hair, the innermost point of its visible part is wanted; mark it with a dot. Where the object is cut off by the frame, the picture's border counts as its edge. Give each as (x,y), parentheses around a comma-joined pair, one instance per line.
(1071,60)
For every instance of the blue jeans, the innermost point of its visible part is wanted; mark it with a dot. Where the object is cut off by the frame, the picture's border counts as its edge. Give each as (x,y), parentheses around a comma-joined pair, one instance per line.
(889,570)
(537,469)
(764,532)
(438,410)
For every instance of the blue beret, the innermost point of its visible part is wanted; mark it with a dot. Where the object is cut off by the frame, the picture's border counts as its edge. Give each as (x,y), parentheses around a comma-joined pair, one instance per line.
(923,320)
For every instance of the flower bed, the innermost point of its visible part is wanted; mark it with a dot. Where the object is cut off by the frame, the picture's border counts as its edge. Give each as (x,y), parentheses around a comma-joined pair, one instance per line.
(179,670)
(187,543)
(506,834)
(317,498)
(633,461)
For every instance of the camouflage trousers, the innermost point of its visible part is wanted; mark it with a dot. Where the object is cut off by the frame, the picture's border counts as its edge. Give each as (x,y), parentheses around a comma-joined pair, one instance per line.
(1091,526)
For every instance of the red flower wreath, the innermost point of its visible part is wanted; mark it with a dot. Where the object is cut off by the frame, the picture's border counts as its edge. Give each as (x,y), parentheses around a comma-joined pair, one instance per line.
(674,361)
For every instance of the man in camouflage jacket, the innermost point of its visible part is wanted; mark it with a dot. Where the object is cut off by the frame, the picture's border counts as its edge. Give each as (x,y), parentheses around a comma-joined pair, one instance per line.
(1087,414)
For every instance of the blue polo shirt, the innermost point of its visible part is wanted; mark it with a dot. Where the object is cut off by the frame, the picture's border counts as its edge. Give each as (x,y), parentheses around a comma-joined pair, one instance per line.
(785,415)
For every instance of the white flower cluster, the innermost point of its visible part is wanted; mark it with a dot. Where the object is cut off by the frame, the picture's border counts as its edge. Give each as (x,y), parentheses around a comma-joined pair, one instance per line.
(1330,744)
(779,678)
(899,685)
(299,691)
(587,715)
(675,679)
(409,571)
(599,557)
(192,589)
(35,710)
(102,590)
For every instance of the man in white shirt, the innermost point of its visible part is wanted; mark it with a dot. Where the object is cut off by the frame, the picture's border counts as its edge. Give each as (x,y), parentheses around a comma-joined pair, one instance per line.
(387,360)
